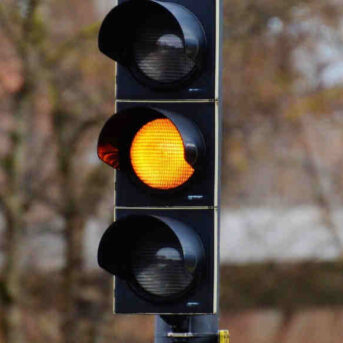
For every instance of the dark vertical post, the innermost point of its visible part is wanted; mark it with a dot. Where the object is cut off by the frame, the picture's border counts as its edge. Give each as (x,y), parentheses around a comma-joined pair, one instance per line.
(183,329)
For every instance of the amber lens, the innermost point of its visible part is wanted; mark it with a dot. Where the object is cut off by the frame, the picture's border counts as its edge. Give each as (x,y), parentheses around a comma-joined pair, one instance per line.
(158,156)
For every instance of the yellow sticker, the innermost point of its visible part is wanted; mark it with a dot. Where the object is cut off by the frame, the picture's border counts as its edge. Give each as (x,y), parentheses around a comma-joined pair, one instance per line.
(224,336)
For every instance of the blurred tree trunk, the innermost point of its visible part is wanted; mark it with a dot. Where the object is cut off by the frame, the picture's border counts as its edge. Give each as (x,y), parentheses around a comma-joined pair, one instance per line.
(75,208)
(13,201)
(73,235)
(283,329)
(74,186)
(12,327)
(73,231)
(324,195)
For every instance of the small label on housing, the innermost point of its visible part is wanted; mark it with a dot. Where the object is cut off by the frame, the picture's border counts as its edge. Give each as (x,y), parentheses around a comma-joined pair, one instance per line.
(195,197)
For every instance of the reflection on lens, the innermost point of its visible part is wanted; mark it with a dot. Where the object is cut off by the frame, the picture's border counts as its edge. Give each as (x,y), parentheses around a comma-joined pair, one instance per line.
(159,52)
(158,265)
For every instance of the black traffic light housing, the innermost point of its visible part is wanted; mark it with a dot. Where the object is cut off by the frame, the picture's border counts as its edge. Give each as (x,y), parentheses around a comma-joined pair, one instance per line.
(137,23)
(196,124)
(192,28)
(134,229)
(163,246)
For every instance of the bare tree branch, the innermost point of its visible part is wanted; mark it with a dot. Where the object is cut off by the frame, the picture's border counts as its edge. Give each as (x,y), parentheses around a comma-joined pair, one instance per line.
(60,52)
(324,194)
(9,20)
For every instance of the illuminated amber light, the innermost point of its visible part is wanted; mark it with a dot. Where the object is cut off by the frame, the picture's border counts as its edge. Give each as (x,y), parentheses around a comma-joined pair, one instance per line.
(158,157)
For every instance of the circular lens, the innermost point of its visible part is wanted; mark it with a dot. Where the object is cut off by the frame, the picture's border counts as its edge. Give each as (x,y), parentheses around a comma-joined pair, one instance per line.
(159,50)
(158,157)
(158,265)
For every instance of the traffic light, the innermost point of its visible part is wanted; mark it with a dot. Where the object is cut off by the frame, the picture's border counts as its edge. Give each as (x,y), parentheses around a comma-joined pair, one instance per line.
(165,50)
(164,143)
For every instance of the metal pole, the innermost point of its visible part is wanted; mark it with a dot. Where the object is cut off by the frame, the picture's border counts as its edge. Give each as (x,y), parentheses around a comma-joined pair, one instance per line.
(184,329)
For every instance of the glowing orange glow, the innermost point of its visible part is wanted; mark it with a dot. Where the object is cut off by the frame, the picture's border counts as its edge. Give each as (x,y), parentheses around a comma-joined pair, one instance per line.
(109,154)
(158,157)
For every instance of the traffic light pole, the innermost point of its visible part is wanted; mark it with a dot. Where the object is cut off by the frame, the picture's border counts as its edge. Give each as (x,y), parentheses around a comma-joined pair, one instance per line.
(184,329)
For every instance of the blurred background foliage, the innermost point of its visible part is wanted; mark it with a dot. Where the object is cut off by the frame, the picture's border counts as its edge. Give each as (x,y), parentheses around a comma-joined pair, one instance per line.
(282,235)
